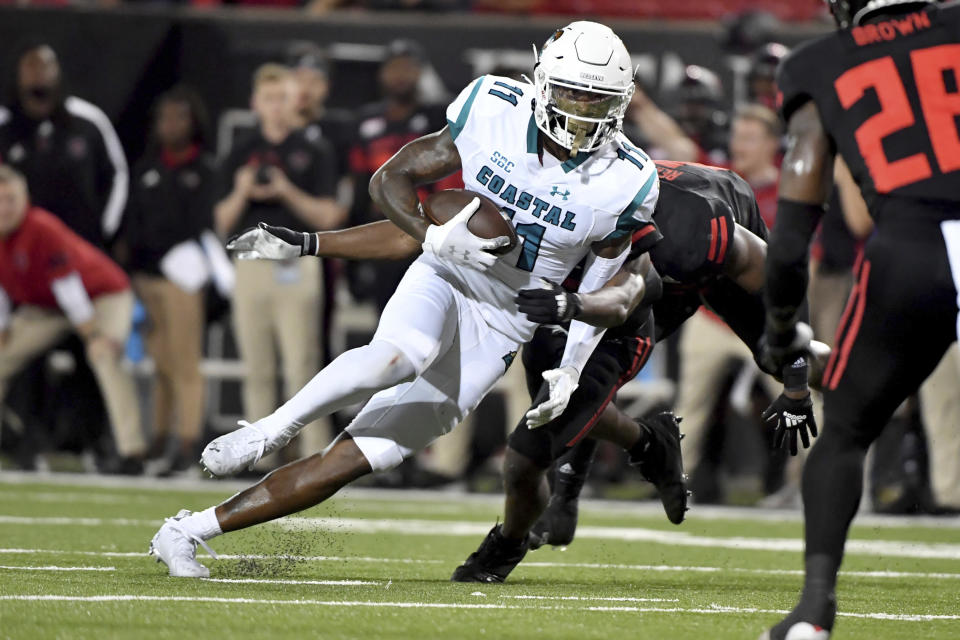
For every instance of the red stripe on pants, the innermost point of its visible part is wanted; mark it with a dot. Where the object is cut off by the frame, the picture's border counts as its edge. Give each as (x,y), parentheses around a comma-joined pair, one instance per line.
(854,328)
(842,325)
(639,359)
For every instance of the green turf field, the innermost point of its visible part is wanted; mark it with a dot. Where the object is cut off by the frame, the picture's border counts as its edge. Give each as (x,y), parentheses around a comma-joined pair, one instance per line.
(375,565)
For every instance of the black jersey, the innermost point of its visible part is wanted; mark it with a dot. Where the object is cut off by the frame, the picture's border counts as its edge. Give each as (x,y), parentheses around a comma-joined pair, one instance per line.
(699,207)
(698,210)
(887,94)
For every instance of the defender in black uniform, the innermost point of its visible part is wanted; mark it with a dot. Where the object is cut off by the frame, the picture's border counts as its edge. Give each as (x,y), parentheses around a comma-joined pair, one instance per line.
(712,254)
(883,92)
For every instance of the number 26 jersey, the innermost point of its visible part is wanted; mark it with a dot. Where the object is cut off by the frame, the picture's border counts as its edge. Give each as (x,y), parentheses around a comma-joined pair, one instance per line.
(888,95)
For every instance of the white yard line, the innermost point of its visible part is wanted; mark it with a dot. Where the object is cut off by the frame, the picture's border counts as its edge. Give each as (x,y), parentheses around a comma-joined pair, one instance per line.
(404,526)
(711,610)
(325,583)
(55,568)
(620,508)
(590,598)
(903,549)
(533,564)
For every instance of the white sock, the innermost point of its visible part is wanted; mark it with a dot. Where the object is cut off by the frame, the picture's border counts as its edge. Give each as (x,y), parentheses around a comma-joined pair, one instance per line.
(203,524)
(354,376)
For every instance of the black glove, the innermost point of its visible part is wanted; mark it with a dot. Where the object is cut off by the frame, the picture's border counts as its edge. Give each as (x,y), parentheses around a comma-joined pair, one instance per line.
(779,349)
(789,416)
(551,304)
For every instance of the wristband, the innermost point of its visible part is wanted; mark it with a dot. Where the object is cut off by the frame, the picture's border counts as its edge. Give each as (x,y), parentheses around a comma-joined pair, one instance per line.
(795,375)
(311,244)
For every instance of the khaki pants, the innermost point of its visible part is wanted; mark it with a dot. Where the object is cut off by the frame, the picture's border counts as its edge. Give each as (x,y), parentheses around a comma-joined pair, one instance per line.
(706,348)
(34,330)
(175,342)
(276,311)
(940,406)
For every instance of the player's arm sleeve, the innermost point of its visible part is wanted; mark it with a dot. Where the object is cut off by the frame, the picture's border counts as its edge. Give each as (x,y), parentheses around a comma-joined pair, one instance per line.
(583,338)
(636,219)
(805,185)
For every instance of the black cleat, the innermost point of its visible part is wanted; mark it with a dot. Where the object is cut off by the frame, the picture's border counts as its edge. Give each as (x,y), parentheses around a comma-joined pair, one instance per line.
(493,561)
(662,464)
(557,524)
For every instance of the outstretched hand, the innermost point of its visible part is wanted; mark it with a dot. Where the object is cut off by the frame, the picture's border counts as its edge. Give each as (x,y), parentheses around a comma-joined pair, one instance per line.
(267,242)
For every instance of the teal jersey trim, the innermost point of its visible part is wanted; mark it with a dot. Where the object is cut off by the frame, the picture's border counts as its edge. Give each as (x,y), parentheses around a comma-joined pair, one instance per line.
(626,225)
(457,127)
(532,133)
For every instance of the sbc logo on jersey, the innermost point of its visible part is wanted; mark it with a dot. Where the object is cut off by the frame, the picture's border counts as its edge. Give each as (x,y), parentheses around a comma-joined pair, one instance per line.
(555,191)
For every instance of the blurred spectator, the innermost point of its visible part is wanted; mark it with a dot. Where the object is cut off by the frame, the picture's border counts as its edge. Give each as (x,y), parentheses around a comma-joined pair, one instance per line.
(382,128)
(656,132)
(75,167)
(312,73)
(698,109)
(311,69)
(754,146)
(53,281)
(170,206)
(65,146)
(282,176)
(762,76)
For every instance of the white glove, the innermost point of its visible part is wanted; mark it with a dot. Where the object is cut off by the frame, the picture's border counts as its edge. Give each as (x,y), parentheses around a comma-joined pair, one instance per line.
(454,242)
(260,244)
(563,382)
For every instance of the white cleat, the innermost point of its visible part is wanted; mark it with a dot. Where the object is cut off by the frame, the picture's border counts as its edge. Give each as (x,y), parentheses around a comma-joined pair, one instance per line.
(243,448)
(802,631)
(178,549)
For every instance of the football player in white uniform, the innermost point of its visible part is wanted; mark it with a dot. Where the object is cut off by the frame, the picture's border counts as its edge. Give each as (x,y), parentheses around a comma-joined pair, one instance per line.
(553,156)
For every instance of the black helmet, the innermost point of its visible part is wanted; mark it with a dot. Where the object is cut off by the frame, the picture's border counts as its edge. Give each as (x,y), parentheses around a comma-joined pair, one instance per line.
(766,59)
(850,13)
(700,84)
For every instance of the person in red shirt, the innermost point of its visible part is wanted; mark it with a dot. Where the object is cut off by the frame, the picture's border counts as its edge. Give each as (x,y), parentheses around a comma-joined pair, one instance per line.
(53,281)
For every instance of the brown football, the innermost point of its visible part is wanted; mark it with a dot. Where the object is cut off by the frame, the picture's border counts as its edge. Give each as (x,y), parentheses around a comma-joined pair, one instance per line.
(487,222)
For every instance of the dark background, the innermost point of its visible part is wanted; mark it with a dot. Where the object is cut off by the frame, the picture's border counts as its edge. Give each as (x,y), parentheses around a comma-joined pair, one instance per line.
(122,61)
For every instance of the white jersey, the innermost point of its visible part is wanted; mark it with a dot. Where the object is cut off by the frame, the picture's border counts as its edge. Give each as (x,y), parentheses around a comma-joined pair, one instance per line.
(558,209)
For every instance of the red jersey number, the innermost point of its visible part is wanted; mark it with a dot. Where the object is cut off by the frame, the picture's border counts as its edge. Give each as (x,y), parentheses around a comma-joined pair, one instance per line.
(939,106)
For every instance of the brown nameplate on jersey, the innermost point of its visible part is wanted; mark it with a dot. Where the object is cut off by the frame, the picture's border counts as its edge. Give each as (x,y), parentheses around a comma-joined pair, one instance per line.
(890,29)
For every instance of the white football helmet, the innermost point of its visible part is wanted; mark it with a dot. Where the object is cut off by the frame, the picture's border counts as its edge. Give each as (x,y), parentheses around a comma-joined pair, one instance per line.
(584,81)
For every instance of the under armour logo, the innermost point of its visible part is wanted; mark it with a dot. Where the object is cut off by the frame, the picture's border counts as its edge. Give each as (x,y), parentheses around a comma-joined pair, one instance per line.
(555,191)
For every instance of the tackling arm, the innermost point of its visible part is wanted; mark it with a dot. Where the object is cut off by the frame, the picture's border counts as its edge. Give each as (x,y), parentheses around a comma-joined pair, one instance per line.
(380,240)
(611,305)
(746,261)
